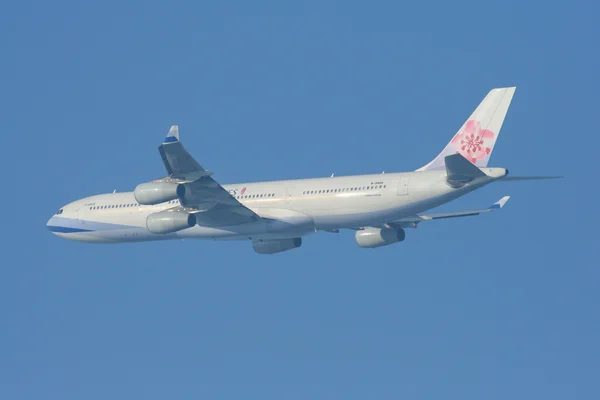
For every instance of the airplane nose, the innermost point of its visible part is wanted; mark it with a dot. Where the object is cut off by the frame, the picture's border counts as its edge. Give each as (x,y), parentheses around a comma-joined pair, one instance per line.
(54,221)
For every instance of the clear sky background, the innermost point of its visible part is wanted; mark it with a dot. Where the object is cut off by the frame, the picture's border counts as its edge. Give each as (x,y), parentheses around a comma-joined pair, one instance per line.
(501,306)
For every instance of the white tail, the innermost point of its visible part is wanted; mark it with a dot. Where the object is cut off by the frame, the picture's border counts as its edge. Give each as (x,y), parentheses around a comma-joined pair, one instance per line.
(476,138)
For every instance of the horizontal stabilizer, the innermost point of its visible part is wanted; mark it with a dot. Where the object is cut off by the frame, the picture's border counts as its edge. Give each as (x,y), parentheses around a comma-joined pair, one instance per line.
(459,170)
(529,178)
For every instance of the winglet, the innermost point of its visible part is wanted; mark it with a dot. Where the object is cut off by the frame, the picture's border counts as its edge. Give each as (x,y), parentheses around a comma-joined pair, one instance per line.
(173,135)
(500,203)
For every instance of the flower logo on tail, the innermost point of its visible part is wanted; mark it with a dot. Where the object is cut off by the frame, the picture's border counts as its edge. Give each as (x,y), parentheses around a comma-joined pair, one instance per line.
(472,142)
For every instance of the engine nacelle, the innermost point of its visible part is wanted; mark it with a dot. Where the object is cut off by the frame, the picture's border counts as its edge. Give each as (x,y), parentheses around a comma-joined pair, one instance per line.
(158,192)
(375,237)
(275,246)
(169,221)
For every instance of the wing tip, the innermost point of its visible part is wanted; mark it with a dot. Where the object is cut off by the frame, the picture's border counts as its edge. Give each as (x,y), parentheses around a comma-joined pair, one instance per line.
(173,135)
(500,203)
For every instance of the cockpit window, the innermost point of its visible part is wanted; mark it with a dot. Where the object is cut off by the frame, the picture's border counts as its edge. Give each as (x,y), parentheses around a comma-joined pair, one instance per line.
(59,212)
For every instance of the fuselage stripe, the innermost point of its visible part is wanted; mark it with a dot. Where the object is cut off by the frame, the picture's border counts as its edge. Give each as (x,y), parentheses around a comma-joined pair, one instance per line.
(64,229)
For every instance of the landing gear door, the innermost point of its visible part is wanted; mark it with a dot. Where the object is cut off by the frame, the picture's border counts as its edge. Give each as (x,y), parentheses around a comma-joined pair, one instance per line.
(403,185)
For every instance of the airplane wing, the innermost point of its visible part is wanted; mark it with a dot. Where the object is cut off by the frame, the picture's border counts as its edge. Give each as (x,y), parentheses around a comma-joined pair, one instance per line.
(211,204)
(411,222)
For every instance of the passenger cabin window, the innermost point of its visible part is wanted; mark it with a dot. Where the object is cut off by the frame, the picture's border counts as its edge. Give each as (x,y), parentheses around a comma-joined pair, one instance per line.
(253,196)
(343,190)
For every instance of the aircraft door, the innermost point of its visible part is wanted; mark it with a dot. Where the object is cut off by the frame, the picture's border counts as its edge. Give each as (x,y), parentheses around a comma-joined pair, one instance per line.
(403,185)
(288,195)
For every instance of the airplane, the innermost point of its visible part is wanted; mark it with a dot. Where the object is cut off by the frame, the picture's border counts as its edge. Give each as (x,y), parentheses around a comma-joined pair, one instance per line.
(274,216)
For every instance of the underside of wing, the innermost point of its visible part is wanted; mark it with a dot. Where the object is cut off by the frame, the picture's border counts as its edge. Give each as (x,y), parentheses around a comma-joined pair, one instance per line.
(412,221)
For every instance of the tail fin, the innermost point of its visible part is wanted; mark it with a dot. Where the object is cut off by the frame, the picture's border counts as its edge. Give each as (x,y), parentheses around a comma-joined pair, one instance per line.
(476,138)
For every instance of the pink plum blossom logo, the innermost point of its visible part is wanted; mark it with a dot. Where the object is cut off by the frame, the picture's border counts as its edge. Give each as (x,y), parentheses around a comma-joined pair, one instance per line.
(472,142)
(243,190)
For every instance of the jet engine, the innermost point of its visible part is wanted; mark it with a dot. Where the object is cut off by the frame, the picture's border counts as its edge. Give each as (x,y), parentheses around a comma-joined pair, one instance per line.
(375,237)
(169,221)
(275,246)
(158,192)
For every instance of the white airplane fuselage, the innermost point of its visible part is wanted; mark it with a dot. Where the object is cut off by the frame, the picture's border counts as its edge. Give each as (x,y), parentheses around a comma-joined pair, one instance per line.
(288,209)
(189,203)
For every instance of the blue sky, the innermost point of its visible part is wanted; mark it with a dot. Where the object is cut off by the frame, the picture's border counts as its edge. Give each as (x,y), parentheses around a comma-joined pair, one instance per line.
(499,306)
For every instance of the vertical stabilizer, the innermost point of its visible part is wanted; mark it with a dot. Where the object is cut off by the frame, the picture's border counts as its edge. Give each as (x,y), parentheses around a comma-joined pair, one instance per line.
(476,138)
